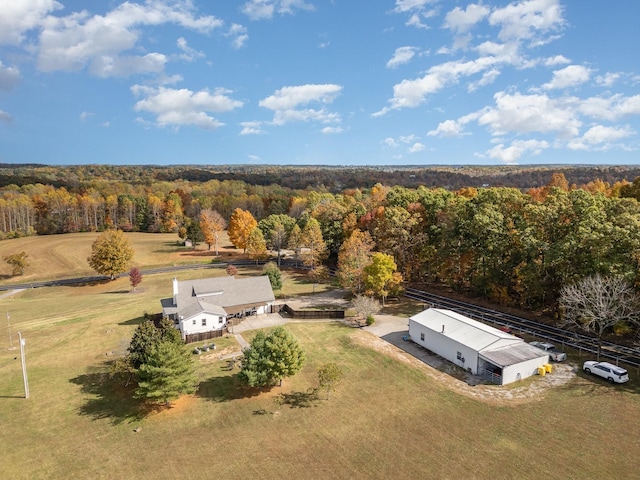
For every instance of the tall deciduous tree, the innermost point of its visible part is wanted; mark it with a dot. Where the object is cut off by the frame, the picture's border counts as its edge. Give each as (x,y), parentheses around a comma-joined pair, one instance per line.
(111,253)
(256,247)
(211,224)
(18,262)
(311,239)
(167,374)
(381,276)
(271,357)
(354,255)
(596,304)
(240,225)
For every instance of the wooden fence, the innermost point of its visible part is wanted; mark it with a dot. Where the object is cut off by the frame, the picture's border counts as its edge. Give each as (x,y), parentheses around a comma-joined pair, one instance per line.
(312,314)
(200,337)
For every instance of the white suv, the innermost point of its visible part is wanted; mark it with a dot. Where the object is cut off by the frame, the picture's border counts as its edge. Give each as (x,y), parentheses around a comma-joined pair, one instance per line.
(555,354)
(606,370)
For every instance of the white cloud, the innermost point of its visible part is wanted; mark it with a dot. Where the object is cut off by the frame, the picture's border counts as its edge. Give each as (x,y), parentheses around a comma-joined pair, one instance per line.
(608,79)
(5,117)
(401,56)
(181,107)
(72,42)
(265,9)
(407,138)
(487,79)
(408,5)
(9,77)
(527,19)
(238,34)
(570,76)
(188,54)
(530,113)
(460,21)
(286,102)
(516,150)
(447,129)
(252,128)
(557,60)
(332,130)
(84,116)
(416,147)
(608,108)
(602,134)
(17,17)
(390,142)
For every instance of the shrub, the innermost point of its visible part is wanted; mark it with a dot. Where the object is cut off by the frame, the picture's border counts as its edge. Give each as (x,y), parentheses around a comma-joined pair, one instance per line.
(370,320)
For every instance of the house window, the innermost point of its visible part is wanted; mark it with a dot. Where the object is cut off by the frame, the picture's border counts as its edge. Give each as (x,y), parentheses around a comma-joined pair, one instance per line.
(204,322)
(459,356)
(219,319)
(194,321)
(422,336)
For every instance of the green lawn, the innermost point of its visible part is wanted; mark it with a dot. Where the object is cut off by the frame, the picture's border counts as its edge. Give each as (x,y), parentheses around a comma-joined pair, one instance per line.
(387,419)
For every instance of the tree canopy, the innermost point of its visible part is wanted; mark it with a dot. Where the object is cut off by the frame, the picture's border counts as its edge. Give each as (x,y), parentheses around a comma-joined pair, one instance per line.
(111,253)
(241,224)
(18,262)
(271,357)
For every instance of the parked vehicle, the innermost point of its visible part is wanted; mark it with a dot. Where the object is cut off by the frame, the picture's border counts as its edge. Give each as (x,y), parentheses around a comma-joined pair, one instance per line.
(612,373)
(555,354)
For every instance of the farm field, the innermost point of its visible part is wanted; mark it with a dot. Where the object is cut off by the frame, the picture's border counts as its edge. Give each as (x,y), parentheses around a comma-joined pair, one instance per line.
(387,420)
(65,256)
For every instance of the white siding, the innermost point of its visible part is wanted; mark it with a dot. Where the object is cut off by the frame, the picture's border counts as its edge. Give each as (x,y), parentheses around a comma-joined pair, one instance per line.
(444,346)
(524,369)
(213,323)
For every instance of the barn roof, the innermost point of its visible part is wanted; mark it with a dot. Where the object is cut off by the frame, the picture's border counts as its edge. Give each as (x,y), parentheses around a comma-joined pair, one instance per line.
(513,354)
(464,330)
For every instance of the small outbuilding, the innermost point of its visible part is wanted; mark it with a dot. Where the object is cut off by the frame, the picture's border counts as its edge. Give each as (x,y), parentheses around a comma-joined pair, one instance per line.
(480,349)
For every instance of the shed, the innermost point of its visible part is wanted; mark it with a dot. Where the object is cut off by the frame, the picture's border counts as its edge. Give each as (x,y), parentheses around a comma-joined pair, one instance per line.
(478,348)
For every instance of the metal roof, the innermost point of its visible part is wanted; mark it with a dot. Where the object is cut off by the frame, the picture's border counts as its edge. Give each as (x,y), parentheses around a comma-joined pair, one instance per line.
(512,354)
(464,330)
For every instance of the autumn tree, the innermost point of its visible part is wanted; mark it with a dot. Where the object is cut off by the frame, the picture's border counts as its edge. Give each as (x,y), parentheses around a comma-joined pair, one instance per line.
(232,270)
(295,241)
(271,357)
(315,248)
(354,255)
(256,247)
(276,230)
(211,224)
(111,253)
(596,304)
(241,224)
(18,262)
(381,276)
(135,277)
(329,377)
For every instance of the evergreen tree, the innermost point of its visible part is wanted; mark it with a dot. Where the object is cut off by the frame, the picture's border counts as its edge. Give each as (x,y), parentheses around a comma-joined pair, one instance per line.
(272,271)
(144,339)
(167,374)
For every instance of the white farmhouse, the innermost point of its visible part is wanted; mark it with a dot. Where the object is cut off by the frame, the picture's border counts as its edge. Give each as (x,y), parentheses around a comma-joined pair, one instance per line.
(205,305)
(476,347)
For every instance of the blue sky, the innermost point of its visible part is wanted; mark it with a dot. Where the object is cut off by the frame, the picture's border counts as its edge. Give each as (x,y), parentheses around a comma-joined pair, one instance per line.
(335,82)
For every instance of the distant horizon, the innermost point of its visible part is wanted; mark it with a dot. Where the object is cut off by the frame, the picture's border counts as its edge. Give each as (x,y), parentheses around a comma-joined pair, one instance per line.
(305,82)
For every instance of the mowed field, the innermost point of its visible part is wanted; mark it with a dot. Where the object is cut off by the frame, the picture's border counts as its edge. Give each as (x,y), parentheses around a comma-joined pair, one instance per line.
(65,256)
(388,419)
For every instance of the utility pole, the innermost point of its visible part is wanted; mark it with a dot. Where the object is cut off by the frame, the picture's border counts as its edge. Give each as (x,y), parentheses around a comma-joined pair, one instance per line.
(24,367)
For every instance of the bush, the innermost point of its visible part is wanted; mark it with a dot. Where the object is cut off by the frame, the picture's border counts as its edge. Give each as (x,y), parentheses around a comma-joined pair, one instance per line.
(370,320)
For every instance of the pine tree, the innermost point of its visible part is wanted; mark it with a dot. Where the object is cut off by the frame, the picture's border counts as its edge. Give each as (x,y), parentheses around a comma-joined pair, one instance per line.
(167,374)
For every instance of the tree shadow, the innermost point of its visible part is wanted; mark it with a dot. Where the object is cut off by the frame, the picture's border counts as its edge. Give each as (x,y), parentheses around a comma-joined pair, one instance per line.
(132,321)
(110,399)
(227,388)
(306,399)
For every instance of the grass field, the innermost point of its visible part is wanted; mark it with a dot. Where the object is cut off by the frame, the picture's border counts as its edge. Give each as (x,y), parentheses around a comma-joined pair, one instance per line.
(387,420)
(65,256)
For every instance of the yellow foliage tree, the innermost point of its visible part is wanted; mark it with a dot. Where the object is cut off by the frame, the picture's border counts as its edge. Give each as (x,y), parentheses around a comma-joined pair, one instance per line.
(111,254)
(211,222)
(240,225)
